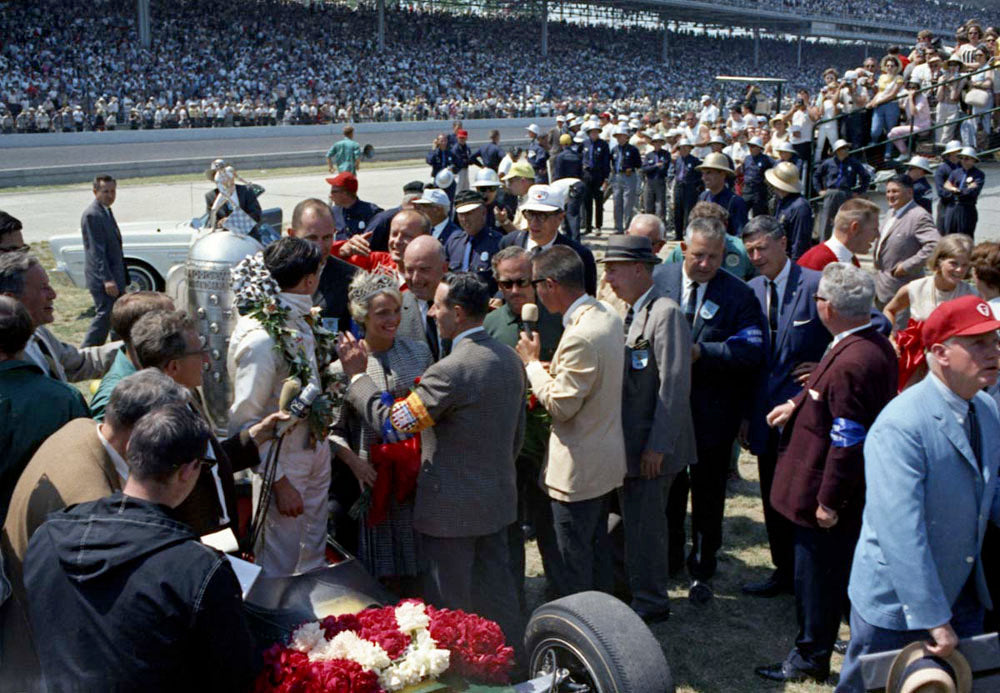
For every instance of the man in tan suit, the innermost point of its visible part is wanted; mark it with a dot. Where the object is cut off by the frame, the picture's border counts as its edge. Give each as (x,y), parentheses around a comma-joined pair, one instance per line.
(582,391)
(81,462)
(906,241)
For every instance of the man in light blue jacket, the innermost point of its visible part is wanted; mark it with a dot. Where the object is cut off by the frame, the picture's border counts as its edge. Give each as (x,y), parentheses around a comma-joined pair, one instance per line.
(931,463)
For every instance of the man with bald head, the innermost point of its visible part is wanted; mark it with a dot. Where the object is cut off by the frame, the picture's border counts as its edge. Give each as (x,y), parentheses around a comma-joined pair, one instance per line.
(424,264)
(312,221)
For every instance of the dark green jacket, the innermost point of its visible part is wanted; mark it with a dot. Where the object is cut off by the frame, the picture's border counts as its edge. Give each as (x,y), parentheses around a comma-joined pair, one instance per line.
(121,368)
(33,406)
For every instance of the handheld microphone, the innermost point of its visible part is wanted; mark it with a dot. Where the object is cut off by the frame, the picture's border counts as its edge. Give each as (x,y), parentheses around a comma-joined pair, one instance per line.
(298,404)
(529,316)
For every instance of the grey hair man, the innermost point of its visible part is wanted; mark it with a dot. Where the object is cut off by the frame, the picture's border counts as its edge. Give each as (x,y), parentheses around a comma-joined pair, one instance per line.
(159,582)
(425,264)
(80,462)
(727,330)
(23,277)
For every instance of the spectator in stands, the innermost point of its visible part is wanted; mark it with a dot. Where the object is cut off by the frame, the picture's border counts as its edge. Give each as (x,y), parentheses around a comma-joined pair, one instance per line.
(884,106)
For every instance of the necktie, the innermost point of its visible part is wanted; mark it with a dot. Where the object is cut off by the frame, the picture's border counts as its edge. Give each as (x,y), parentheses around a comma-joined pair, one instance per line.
(432,337)
(772,311)
(974,437)
(692,302)
(629,316)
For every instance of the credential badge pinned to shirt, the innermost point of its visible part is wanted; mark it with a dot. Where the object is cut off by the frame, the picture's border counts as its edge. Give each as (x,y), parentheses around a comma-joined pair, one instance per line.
(708,310)
(361,225)
(640,354)
(484,256)
(732,259)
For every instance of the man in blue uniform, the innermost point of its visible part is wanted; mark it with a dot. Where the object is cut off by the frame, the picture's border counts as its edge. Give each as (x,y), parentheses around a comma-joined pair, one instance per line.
(596,169)
(965,183)
(625,164)
(838,179)
(490,154)
(472,249)
(754,168)
(918,168)
(786,152)
(949,162)
(569,164)
(792,210)
(440,158)
(714,172)
(537,154)
(656,166)
(687,185)
(462,155)
(351,216)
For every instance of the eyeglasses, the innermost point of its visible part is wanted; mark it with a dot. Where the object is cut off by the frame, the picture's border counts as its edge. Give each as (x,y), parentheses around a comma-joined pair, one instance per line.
(818,298)
(536,282)
(507,284)
(530,214)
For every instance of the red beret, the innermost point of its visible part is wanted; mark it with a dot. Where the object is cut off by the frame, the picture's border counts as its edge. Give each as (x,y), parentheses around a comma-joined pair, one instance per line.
(346,180)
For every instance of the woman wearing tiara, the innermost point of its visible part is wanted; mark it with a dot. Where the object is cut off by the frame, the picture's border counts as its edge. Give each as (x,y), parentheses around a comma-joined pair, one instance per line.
(384,465)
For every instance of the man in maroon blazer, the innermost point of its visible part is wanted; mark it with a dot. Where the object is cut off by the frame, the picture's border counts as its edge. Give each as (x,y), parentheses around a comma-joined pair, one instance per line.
(819,482)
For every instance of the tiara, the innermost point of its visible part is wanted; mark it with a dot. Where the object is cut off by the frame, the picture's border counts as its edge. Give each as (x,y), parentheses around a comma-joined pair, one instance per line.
(366,285)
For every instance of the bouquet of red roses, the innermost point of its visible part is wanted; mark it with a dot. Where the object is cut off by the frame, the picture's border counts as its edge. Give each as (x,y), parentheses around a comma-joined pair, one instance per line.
(386,649)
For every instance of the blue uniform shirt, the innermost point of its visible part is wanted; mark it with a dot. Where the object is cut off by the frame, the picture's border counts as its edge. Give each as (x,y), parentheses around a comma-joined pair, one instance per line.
(684,170)
(753,171)
(597,159)
(735,205)
(922,193)
(626,158)
(941,174)
(651,167)
(467,253)
(795,215)
(440,159)
(488,156)
(849,175)
(567,164)
(538,158)
(350,221)
(961,179)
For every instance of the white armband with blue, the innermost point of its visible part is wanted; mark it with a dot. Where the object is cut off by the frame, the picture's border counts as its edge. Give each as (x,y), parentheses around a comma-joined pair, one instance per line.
(846,433)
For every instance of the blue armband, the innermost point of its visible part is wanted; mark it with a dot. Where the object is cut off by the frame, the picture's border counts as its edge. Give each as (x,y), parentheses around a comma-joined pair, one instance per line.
(753,336)
(846,433)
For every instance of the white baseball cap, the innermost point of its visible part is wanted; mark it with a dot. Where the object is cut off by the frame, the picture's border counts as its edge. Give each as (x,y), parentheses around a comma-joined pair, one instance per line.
(544,198)
(434,196)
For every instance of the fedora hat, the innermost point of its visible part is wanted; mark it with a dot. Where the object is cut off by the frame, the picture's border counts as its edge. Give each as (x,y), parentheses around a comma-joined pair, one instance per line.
(914,671)
(716,161)
(784,176)
(626,248)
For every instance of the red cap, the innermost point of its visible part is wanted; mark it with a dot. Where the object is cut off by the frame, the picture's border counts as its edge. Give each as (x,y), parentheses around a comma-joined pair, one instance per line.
(462,133)
(346,180)
(968,315)
(606,115)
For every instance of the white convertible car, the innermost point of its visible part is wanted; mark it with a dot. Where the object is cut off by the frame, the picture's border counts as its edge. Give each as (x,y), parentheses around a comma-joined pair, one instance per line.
(151,248)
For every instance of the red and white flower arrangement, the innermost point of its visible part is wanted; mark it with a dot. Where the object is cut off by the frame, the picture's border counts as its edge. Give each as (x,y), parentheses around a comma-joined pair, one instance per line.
(386,649)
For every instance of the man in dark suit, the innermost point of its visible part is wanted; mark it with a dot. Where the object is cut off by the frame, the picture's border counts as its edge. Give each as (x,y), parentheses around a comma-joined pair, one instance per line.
(466,494)
(596,169)
(729,347)
(656,417)
(796,343)
(244,195)
(311,220)
(103,263)
(687,185)
(543,230)
(819,484)
(440,158)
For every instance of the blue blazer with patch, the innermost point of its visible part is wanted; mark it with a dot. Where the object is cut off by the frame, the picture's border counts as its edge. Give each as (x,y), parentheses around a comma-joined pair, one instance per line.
(801,338)
(926,508)
(733,346)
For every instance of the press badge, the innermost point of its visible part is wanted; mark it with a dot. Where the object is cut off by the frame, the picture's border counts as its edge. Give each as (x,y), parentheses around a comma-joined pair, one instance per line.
(484,256)
(361,226)
(708,310)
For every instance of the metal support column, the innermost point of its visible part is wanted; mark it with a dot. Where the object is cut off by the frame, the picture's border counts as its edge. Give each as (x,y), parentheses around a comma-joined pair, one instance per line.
(381,24)
(142,23)
(545,28)
(800,51)
(756,47)
(666,39)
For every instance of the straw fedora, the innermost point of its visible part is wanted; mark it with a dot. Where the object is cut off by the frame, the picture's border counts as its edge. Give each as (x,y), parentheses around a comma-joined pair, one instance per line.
(914,671)
(784,176)
(716,161)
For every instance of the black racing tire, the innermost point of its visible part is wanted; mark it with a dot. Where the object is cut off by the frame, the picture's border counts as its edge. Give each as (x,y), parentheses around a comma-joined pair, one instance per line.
(143,275)
(601,641)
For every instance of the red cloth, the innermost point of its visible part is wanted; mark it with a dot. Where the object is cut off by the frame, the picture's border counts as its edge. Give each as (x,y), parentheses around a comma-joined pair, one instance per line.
(911,351)
(819,256)
(397,465)
(366,262)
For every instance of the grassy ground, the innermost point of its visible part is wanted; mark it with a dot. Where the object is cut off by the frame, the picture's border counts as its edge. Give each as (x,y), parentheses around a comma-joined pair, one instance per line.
(711,649)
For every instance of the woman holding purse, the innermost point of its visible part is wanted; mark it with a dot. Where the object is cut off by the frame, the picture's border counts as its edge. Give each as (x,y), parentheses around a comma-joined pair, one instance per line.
(384,464)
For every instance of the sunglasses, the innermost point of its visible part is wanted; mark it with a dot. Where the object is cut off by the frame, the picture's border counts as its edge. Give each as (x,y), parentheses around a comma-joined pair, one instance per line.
(507,284)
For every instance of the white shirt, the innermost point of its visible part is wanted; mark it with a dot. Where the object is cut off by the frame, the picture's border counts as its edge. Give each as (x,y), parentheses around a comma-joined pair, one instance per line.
(530,244)
(801,129)
(686,292)
(780,282)
(568,315)
(841,251)
(117,460)
(462,335)
(436,231)
(847,333)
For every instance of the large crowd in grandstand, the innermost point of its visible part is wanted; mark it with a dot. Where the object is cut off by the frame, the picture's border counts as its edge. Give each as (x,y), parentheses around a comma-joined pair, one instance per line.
(69,66)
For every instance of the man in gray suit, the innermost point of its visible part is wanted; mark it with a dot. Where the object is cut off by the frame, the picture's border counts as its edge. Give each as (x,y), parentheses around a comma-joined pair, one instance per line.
(470,408)
(424,265)
(103,263)
(907,239)
(656,417)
